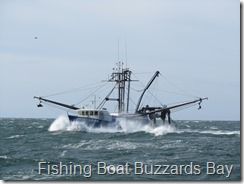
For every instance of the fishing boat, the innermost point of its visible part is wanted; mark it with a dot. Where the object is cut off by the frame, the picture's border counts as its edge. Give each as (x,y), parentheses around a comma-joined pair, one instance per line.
(101,117)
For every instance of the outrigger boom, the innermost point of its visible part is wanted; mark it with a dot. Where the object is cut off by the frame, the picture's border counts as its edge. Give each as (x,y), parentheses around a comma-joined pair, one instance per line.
(179,105)
(56,103)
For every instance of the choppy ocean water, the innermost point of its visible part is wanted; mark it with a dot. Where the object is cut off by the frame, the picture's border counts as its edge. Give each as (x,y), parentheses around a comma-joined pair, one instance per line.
(36,149)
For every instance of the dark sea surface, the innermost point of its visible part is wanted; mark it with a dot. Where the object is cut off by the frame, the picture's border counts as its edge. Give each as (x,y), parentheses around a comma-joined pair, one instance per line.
(187,151)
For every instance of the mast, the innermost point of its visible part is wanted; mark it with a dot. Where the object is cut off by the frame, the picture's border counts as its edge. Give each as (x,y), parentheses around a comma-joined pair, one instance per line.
(148,85)
(122,77)
(120,90)
(128,92)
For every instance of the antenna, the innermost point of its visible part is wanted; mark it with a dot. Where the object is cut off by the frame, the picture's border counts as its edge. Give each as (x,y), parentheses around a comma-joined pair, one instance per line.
(120,62)
(125,52)
(118,48)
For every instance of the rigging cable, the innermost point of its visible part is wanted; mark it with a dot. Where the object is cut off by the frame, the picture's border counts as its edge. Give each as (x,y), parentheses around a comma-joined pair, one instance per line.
(90,94)
(54,108)
(173,122)
(130,97)
(105,99)
(171,92)
(178,87)
(149,91)
(71,90)
(182,108)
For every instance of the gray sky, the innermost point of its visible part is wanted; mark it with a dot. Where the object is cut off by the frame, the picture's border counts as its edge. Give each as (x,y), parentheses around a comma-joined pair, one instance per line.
(194,44)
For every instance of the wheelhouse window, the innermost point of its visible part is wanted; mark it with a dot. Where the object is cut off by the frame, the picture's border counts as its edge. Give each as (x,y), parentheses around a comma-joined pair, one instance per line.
(96,113)
(91,113)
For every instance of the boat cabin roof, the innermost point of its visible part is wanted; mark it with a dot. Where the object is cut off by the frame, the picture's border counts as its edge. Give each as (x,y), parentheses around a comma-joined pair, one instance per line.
(98,110)
(92,112)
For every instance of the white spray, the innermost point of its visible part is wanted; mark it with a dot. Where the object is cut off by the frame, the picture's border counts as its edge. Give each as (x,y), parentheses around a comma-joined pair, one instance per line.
(62,124)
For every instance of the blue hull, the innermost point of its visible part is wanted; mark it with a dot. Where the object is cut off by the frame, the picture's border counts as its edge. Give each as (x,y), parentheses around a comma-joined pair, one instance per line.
(96,123)
(92,122)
